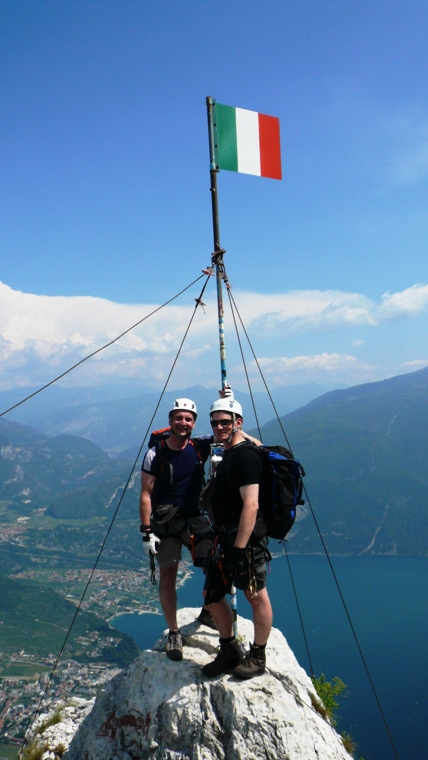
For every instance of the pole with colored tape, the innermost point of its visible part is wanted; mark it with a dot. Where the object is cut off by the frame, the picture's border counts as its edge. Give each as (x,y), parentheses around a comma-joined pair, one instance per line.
(217,257)
(240,141)
(217,260)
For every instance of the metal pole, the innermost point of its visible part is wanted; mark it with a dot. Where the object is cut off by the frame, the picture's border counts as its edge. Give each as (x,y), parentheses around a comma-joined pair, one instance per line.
(217,259)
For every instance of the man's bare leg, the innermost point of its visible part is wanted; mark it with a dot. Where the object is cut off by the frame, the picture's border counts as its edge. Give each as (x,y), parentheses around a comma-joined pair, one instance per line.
(223,618)
(262,616)
(168,595)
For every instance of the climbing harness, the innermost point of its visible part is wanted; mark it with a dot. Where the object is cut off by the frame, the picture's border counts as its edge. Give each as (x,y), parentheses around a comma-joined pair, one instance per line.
(252,585)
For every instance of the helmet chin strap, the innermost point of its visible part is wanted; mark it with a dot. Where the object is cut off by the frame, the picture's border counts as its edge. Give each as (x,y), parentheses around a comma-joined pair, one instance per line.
(234,428)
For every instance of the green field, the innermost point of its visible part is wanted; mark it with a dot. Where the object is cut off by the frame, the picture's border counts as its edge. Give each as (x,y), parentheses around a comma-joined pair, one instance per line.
(8,752)
(36,619)
(19,669)
(56,543)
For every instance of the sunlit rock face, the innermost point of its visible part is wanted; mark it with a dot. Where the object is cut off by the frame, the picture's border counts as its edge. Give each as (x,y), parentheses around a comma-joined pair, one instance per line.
(158,709)
(50,740)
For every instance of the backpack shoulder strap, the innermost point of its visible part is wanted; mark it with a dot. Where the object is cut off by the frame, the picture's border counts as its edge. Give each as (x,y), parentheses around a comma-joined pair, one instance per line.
(165,470)
(159,446)
(197,446)
(158,435)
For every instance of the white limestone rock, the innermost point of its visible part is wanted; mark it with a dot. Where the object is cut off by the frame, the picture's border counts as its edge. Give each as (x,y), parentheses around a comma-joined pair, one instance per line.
(158,709)
(55,739)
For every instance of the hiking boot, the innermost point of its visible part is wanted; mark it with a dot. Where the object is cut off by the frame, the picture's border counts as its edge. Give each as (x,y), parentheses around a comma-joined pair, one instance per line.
(228,657)
(205,618)
(174,645)
(253,664)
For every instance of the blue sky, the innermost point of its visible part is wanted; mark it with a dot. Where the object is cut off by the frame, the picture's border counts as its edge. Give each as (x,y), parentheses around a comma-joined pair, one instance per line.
(105,188)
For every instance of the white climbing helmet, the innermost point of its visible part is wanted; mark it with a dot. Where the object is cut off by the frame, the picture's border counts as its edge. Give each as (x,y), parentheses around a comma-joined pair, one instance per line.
(184,405)
(227,405)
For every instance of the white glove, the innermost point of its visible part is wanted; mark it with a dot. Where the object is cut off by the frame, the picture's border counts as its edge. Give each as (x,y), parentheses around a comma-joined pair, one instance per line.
(227,392)
(150,541)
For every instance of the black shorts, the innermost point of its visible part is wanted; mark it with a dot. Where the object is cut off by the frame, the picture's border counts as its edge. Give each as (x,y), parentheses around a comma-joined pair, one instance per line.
(217,585)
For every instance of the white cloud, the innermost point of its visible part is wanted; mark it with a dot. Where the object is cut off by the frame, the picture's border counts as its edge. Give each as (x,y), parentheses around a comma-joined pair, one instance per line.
(303,309)
(415,364)
(319,361)
(358,342)
(309,309)
(85,321)
(407,303)
(41,336)
(282,370)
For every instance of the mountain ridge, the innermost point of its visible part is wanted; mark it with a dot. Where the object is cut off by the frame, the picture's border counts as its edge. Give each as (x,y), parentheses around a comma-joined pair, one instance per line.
(364,449)
(119,424)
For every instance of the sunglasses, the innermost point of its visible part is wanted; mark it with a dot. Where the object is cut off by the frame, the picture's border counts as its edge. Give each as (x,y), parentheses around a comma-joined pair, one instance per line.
(223,423)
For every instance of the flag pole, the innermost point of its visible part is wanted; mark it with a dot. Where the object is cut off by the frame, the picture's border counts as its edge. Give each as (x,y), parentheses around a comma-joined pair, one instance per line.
(217,260)
(217,257)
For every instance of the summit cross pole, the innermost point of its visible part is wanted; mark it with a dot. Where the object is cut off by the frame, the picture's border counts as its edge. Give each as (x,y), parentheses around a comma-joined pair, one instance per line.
(217,260)
(217,257)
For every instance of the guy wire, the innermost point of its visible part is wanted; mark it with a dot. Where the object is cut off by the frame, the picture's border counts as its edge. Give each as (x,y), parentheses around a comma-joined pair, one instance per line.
(110,343)
(298,610)
(354,633)
(261,374)
(198,300)
(325,550)
(232,308)
(244,364)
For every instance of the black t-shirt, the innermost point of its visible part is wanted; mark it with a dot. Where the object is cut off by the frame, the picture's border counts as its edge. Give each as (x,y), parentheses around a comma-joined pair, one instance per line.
(240,466)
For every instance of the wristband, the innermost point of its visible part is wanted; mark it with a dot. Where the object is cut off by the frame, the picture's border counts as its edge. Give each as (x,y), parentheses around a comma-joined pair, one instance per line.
(145,528)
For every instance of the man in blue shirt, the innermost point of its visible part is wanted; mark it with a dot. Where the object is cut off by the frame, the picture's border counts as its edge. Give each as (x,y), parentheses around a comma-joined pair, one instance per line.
(172,480)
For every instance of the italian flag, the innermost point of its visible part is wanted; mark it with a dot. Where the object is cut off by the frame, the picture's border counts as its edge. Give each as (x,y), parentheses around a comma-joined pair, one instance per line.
(247,141)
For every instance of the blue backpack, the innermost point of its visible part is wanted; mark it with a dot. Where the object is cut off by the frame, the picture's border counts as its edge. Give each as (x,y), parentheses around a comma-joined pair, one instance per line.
(281,491)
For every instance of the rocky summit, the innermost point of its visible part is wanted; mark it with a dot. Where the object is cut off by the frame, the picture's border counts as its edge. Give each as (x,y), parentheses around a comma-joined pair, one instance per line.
(158,709)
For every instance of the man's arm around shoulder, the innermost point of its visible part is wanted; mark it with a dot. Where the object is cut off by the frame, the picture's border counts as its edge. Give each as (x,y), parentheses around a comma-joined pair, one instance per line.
(250,438)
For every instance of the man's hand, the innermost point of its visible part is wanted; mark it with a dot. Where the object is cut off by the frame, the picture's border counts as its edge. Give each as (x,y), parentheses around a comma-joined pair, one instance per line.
(236,563)
(226,392)
(150,541)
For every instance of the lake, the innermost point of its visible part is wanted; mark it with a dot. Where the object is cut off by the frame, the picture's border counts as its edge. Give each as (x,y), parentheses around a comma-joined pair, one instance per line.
(387,602)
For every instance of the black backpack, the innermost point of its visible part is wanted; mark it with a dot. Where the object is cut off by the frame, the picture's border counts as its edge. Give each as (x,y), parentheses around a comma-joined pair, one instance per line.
(281,490)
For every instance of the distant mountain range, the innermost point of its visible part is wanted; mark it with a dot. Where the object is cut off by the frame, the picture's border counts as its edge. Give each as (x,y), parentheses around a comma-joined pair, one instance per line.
(34,468)
(119,424)
(365,451)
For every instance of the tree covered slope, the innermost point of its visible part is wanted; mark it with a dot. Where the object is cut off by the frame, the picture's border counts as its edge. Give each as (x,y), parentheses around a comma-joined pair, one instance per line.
(365,452)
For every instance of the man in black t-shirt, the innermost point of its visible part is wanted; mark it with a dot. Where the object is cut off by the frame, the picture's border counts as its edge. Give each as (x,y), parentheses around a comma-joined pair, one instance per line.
(242,539)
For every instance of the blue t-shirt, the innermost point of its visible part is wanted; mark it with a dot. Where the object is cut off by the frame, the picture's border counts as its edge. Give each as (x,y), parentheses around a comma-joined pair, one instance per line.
(179,474)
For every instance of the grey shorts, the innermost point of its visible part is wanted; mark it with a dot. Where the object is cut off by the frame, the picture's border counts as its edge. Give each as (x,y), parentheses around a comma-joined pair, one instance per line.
(193,532)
